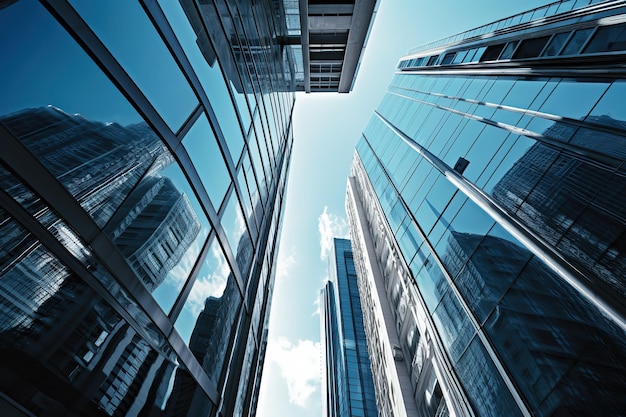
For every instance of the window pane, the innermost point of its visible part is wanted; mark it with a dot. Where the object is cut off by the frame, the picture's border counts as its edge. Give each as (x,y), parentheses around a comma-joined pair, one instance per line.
(576,42)
(128,33)
(160,229)
(608,39)
(207,158)
(97,149)
(208,316)
(555,44)
(234,225)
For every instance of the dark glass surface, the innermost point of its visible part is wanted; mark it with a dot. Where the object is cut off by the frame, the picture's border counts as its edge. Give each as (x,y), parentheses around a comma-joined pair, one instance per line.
(160,229)
(576,41)
(206,322)
(608,39)
(66,349)
(484,386)
(127,32)
(555,44)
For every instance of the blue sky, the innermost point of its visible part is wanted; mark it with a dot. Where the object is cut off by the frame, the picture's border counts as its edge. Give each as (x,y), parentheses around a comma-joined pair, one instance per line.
(326,129)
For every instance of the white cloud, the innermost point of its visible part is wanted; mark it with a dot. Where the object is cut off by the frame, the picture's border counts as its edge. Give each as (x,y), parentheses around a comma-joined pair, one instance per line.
(330,226)
(285,264)
(211,282)
(316,304)
(299,366)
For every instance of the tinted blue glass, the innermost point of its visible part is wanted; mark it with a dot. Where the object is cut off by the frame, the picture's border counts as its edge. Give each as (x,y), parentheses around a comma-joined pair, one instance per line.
(610,110)
(160,229)
(483,384)
(430,280)
(499,90)
(130,36)
(484,151)
(523,92)
(51,84)
(576,41)
(522,144)
(202,147)
(209,71)
(564,100)
(555,44)
(234,225)
(453,325)
(496,262)
(208,315)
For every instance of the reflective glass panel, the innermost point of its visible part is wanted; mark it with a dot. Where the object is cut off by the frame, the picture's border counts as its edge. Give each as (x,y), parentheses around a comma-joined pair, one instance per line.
(160,229)
(608,39)
(555,44)
(564,100)
(610,110)
(207,158)
(207,318)
(483,384)
(65,344)
(203,57)
(128,33)
(97,149)
(453,325)
(576,42)
(234,225)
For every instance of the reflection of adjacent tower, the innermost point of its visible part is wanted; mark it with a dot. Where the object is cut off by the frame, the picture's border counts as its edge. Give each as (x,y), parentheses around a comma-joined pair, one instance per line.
(153,229)
(98,163)
(540,342)
(208,343)
(547,189)
(49,313)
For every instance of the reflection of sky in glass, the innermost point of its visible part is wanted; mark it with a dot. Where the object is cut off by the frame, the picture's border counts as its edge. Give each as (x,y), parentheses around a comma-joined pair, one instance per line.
(48,67)
(203,150)
(210,77)
(166,293)
(210,282)
(130,36)
(233,222)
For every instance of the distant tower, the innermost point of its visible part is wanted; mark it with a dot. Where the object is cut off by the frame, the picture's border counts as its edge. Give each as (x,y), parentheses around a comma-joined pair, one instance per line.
(347,378)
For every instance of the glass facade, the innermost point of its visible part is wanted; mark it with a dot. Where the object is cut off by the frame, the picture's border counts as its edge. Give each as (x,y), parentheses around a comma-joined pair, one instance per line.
(347,376)
(145,152)
(499,192)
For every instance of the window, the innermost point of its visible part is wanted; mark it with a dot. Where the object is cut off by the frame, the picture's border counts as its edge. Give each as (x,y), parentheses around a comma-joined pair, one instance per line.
(448,58)
(555,44)
(492,53)
(531,48)
(576,42)
(507,53)
(608,39)
(432,60)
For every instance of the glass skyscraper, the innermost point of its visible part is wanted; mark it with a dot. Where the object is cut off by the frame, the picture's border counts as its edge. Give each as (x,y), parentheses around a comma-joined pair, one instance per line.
(145,147)
(487,213)
(348,388)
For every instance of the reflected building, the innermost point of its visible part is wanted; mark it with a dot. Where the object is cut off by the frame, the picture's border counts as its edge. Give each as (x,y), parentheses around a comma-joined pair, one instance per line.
(347,377)
(145,153)
(486,207)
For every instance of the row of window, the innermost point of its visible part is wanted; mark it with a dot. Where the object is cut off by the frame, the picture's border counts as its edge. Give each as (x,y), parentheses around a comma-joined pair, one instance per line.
(585,41)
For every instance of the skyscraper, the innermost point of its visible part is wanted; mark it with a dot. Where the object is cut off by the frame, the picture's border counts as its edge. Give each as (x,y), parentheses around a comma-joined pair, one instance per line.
(347,377)
(145,147)
(486,205)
